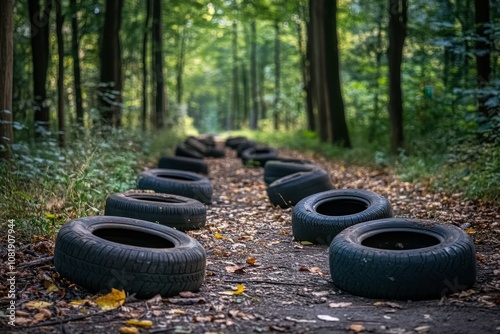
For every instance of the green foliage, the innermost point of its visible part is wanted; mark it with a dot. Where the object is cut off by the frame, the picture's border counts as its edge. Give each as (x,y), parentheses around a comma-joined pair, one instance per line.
(45,186)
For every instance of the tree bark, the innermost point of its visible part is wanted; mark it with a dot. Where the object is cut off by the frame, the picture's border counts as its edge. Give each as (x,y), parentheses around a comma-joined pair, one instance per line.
(338,127)
(483,51)
(75,49)
(6,77)
(159,82)
(60,74)
(180,65)
(254,118)
(39,20)
(235,96)
(147,27)
(111,79)
(378,71)
(397,33)
(277,75)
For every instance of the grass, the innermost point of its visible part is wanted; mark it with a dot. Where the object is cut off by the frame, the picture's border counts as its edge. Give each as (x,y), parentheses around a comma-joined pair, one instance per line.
(46,186)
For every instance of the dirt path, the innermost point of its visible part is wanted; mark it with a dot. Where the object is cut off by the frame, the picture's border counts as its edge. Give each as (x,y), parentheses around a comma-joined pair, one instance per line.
(286,285)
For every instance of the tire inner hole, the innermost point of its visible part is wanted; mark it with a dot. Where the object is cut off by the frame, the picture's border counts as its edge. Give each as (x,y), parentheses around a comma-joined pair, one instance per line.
(341,207)
(175,177)
(133,238)
(157,199)
(400,240)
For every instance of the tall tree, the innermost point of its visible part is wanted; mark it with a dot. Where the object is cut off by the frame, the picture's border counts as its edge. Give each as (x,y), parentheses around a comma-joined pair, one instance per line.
(483,51)
(6,76)
(158,78)
(147,27)
(110,87)
(338,128)
(277,75)
(398,18)
(60,74)
(39,21)
(234,111)
(254,117)
(75,54)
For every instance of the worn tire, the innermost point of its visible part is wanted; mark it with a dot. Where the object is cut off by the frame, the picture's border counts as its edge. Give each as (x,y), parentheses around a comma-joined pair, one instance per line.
(104,252)
(181,213)
(184,163)
(276,169)
(233,142)
(405,259)
(197,145)
(289,190)
(320,217)
(258,155)
(182,150)
(177,182)
(216,153)
(244,146)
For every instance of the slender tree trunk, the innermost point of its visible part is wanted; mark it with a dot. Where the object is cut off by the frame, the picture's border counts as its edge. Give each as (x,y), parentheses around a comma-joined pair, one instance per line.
(6,76)
(397,33)
(160,95)
(39,19)
(75,49)
(378,72)
(246,97)
(338,127)
(60,74)
(180,65)
(483,51)
(261,66)
(277,75)
(254,119)
(235,97)
(110,80)
(147,27)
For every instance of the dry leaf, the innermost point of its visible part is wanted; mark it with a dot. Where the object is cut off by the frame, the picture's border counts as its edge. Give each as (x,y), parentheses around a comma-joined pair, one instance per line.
(140,323)
(357,328)
(337,305)
(50,286)
(177,311)
(239,290)
(188,294)
(320,293)
(219,236)
(250,261)
(306,243)
(129,330)
(470,230)
(235,269)
(36,304)
(389,304)
(299,320)
(79,302)
(327,317)
(202,319)
(112,300)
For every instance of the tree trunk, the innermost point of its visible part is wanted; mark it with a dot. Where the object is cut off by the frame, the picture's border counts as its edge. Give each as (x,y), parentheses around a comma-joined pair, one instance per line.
(235,101)
(277,75)
(397,33)
(261,66)
(160,95)
(75,48)
(147,27)
(254,119)
(378,71)
(246,98)
(111,80)
(483,51)
(180,65)
(6,76)
(338,127)
(39,20)
(60,74)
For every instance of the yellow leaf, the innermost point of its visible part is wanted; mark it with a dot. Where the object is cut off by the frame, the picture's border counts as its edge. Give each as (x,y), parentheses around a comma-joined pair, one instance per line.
(306,243)
(78,302)
(219,236)
(250,261)
(36,304)
(50,286)
(177,311)
(51,215)
(239,290)
(129,330)
(470,230)
(112,300)
(140,323)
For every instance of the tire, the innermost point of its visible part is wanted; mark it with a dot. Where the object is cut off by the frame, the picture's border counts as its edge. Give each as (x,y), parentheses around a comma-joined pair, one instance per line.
(182,150)
(289,190)
(404,259)
(177,182)
(104,252)
(320,217)
(184,163)
(216,153)
(276,169)
(258,156)
(181,213)
(244,146)
(209,141)
(233,142)
(196,145)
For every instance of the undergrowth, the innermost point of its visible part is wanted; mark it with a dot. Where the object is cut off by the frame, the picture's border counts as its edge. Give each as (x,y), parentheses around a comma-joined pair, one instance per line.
(470,168)
(45,186)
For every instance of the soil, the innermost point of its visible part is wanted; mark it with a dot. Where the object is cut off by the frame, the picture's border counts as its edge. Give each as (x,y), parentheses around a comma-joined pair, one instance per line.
(287,285)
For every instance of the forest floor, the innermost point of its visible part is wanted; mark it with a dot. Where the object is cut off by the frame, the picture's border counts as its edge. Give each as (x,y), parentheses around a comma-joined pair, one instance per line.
(287,285)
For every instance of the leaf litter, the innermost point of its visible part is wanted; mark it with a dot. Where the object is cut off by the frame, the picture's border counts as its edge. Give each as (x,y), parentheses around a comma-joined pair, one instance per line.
(259,279)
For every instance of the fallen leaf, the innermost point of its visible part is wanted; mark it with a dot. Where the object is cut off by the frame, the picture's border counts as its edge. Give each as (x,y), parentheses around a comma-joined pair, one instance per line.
(338,305)
(202,319)
(241,315)
(112,300)
(235,269)
(79,302)
(327,317)
(388,304)
(299,320)
(129,330)
(36,304)
(177,311)
(250,261)
(306,243)
(320,293)
(50,286)
(357,328)
(188,294)
(422,329)
(470,230)
(22,314)
(219,236)
(239,290)
(140,323)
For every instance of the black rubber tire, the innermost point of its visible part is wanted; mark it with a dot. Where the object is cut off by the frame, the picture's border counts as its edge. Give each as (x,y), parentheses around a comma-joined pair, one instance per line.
(104,252)
(177,182)
(258,156)
(209,141)
(320,217)
(244,146)
(276,169)
(216,153)
(370,259)
(182,150)
(233,142)
(184,163)
(197,145)
(289,190)
(179,212)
